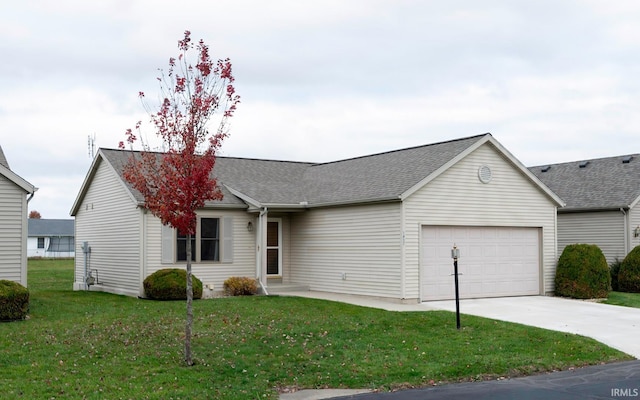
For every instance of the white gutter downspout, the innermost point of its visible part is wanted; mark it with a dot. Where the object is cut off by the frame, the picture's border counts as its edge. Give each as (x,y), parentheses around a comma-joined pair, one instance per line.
(262,253)
(627,234)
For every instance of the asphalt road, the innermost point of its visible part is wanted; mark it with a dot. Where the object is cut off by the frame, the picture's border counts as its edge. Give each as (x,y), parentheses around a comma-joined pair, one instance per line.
(609,381)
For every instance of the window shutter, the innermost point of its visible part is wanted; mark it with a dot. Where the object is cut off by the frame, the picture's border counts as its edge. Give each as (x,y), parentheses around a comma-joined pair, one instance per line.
(167,244)
(227,239)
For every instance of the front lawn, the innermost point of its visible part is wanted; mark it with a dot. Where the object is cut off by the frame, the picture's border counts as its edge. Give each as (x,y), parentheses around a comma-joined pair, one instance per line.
(95,345)
(623,299)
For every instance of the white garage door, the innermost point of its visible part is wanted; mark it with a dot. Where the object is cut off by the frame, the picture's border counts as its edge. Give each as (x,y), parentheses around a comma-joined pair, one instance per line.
(494,262)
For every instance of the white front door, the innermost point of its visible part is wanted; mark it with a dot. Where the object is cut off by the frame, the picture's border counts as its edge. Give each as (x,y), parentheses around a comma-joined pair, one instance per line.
(274,247)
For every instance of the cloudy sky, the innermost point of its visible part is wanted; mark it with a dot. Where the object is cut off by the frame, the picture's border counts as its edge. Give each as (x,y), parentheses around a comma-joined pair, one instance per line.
(553,81)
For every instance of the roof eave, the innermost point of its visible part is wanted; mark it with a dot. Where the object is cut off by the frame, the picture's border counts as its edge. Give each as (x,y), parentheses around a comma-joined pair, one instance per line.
(356,202)
(16,179)
(591,209)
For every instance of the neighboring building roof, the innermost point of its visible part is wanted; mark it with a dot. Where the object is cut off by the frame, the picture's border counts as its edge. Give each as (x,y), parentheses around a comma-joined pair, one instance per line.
(603,183)
(388,176)
(51,227)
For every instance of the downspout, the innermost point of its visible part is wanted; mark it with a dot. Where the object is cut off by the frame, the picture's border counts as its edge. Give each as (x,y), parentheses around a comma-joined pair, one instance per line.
(261,250)
(31,197)
(627,234)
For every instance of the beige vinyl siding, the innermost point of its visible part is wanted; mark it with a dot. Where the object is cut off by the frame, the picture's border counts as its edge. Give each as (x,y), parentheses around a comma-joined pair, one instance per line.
(13,235)
(361,242)
(244,251)
(110,221)
(604,229)
(457,197)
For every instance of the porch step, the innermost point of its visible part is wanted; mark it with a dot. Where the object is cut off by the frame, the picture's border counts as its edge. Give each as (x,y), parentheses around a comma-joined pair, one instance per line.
(278,288)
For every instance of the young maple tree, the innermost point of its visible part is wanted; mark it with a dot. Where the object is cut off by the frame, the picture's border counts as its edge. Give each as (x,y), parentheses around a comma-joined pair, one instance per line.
(178,181)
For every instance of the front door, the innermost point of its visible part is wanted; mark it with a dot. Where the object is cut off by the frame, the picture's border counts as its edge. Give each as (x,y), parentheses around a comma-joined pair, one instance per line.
(274,250)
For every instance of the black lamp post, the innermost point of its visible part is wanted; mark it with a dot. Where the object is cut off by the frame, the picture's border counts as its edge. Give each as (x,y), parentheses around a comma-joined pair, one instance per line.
(455,254)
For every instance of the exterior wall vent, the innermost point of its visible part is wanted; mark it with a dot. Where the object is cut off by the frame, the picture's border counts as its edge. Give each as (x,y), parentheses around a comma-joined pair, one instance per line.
(584,164)
(484,174)
(545,168)
(627,159)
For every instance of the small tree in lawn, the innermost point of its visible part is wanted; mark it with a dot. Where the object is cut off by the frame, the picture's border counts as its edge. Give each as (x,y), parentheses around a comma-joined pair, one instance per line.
(178,181)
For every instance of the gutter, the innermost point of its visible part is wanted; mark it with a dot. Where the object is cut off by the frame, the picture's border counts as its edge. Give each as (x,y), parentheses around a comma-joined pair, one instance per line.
(31,197)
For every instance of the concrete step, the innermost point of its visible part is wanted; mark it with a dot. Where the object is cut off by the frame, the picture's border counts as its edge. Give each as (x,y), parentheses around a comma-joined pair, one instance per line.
(278,288)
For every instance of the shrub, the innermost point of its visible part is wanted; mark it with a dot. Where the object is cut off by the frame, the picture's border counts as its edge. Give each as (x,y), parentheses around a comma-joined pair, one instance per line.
(171,284)
(14,301)
(240,286)
(582,272)
(629,274)
(614,268)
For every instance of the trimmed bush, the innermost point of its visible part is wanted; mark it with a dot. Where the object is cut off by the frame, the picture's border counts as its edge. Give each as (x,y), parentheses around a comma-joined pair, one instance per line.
(629,274)
(240,286)
(614,268)
(171,284)
(14,301)
(582,272)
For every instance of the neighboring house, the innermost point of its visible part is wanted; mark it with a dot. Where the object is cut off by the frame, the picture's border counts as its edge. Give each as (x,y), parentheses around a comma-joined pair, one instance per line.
(15,193)
(50,238)
(602,198)
(379,225)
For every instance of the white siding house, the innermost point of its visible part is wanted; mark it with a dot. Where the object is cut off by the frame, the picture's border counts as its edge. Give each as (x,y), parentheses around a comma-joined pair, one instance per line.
(601,198)
(15,193)
(50,238)
(375,225)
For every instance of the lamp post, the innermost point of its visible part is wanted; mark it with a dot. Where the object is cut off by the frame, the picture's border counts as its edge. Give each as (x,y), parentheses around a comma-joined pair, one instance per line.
(455,254)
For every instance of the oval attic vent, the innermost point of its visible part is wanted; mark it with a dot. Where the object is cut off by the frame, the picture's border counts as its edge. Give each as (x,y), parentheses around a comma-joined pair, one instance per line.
(484,174)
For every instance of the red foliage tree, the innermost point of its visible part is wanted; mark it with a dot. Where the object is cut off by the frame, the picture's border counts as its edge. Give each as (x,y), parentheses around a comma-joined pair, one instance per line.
(33,214)
(178,181)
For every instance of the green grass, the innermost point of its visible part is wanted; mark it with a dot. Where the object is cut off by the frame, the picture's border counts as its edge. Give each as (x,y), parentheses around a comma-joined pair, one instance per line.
(95,345)
(623,299)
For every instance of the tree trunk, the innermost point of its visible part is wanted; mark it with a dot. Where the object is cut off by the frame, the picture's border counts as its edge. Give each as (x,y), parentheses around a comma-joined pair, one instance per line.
(187,333)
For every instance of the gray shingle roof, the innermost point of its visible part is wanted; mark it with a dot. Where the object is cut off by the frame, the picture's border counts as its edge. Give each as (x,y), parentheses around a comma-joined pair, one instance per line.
(376,177)
(3,159)
(381,176)
(51,227)
(603,183)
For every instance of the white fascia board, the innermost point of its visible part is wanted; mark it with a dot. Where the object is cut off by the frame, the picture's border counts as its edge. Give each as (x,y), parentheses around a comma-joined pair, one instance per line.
(488,138)
(528,173)
(15,178)
(250,201)
(85,184)
(89,178)
(634,203)
(444,167)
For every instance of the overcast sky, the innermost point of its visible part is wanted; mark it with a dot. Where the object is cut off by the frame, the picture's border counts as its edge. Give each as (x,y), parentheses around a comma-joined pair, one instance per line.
(553,81)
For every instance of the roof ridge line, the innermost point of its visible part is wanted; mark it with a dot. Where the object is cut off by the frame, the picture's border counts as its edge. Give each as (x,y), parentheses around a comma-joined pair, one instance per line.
(586,159)
(403,149)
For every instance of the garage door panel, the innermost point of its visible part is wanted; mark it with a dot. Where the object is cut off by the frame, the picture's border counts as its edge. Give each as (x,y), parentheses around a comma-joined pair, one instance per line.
(494,261)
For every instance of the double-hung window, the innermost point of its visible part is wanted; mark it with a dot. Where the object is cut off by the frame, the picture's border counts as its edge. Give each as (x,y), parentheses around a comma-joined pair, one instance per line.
(205,244)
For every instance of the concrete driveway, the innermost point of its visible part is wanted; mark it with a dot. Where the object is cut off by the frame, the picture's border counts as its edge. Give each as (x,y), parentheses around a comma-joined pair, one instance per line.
(615,326)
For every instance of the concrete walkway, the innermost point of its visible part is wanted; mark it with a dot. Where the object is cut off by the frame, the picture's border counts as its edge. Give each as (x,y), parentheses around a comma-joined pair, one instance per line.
(615,326)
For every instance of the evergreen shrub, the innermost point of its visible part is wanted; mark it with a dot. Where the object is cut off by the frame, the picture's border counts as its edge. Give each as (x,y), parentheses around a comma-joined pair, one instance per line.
(582,273)
(629,274)
(171,284)
(14,301)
